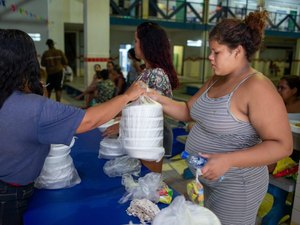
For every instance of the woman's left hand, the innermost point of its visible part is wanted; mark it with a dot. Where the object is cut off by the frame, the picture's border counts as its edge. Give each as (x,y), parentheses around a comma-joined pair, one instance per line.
(216,166)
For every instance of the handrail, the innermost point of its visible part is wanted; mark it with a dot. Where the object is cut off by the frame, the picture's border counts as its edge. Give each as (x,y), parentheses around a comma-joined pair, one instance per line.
(191,12)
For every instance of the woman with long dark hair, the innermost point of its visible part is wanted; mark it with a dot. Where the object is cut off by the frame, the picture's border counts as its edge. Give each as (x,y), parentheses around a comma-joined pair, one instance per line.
(30,122)
(153,47)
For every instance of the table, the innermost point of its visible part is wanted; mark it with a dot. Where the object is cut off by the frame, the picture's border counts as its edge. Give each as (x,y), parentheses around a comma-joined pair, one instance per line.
(93,201)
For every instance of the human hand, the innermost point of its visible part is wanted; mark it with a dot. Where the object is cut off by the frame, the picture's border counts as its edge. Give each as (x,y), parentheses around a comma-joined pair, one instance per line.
(111,131)
(216,166)
(137,89)
(153,94)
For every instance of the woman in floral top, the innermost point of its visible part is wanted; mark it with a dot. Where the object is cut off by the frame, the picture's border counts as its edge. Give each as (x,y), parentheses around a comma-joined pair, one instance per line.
(153,47)
(105,88)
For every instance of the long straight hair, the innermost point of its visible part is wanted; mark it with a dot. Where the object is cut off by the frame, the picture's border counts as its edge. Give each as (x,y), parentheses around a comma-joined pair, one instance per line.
(156,48)
(19,66)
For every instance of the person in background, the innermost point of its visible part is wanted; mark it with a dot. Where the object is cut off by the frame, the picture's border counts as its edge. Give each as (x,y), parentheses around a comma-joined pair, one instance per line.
(153,47)
(289,90)
(105,88)
(120,81)
(110,66)
(274,69)
(30,122)
(54,60)
(89,92)
(134,68)
(241,122)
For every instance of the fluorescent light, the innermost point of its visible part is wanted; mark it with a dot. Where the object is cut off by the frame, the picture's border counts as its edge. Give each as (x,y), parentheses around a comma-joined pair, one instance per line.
(197,43)
(35,36)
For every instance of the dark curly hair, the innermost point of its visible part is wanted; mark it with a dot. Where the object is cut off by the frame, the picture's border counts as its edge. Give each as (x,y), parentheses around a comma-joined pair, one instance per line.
(248,32)
(19,66)
(293,81)
(156,48)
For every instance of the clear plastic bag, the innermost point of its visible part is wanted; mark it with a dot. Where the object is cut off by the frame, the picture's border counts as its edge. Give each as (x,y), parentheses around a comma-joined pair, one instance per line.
(145,187)
(122,165)
(181,212)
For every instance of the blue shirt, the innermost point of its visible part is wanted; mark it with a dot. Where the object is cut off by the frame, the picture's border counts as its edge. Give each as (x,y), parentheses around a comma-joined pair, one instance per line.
(29,123)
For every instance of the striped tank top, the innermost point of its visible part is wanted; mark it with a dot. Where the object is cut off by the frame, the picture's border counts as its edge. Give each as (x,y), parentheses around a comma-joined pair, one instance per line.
(236,199)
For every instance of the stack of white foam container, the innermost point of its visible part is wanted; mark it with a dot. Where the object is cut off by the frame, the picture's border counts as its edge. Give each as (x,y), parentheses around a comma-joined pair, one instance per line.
(141,130)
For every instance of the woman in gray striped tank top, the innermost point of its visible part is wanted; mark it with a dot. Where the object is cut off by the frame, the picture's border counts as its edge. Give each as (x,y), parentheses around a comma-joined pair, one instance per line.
(241,122)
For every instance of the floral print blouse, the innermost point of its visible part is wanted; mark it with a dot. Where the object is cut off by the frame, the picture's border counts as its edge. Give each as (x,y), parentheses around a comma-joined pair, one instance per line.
(106,90)
(158,80)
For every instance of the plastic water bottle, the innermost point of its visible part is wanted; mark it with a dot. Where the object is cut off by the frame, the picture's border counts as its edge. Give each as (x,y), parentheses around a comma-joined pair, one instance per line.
(196,161)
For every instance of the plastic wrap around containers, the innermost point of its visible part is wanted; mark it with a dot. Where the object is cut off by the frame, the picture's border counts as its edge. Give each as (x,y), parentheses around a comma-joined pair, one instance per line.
(141,129)
(58,170)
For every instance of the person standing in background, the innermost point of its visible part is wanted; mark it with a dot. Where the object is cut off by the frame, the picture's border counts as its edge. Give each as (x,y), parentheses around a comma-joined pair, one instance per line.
(134,68)
(54,60)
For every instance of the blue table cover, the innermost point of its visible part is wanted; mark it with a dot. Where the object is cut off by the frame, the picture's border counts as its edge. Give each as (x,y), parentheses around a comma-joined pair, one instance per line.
(93,201)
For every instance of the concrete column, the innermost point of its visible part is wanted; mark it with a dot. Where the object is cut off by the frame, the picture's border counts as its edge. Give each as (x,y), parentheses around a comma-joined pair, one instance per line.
(96,36)
(205,71)
(204,50)
(295,70)
(56,23)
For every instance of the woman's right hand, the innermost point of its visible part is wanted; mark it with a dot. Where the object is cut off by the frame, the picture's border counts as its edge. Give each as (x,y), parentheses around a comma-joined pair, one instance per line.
(153,94)
(111,131)
(136,90)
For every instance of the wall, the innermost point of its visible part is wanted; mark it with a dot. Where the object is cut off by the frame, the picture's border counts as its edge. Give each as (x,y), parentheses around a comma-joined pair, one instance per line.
(29,16)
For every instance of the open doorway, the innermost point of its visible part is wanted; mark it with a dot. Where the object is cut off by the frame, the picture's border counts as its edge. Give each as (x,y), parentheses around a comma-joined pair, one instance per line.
(123,58)
(70,49)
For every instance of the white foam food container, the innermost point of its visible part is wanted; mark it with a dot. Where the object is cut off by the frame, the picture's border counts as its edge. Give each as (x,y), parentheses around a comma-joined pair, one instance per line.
(110,148)
(142,142)
(104,126)
(295,126)
(148,154)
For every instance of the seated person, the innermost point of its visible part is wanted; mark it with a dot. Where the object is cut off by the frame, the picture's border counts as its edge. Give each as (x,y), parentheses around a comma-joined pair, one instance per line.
(105,88)
(89,92)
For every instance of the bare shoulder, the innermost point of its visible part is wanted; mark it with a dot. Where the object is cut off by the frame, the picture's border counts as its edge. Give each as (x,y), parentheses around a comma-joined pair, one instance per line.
(203,88)
(258,85)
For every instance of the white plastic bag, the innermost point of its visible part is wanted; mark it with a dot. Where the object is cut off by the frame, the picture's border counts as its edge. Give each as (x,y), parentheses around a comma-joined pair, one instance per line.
(182,212)
(122,165)
(58,170)
(145,187)
(141,129)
